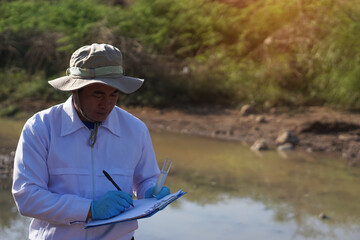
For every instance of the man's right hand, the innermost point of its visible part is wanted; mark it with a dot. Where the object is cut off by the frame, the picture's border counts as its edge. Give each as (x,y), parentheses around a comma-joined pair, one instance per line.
(110,204)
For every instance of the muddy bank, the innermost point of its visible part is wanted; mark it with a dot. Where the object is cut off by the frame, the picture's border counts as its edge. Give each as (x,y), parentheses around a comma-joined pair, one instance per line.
(315,129)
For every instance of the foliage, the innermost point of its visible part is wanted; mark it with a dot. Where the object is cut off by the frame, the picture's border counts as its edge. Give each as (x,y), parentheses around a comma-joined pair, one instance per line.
(174,27)
(191,52)
(17,87)
(339,58)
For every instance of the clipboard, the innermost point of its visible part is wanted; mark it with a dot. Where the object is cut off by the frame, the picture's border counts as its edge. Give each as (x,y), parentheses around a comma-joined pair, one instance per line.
(143,208)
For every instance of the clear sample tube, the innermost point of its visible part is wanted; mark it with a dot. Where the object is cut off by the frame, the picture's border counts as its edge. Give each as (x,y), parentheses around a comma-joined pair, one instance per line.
(161,179)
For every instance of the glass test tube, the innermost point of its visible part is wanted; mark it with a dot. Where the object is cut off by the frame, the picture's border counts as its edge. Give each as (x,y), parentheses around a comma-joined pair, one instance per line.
(160,181)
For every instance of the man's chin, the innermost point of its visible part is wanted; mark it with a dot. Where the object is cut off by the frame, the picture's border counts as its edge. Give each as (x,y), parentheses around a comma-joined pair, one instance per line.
(100,117)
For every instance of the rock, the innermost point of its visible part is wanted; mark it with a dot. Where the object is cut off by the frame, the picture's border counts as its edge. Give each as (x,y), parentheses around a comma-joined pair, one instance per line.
(246,110)
(285,147)
(323,216)
(260,119)
(218,132)
(185,70)
(259,145)
(348,137)
(287,137)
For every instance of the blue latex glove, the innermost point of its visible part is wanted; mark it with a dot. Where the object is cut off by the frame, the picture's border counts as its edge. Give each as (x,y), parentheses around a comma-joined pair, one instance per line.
(163,192)
(110,204)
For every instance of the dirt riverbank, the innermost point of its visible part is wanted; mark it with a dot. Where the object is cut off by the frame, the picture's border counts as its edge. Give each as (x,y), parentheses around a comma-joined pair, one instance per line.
(315,129)
(312,129)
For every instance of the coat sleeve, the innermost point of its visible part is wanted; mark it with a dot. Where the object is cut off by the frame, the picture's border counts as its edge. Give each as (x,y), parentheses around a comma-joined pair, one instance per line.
(147,170)
(30,181)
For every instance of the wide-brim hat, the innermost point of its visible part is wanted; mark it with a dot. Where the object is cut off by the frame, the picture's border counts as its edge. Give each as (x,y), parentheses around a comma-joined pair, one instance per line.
(96,63)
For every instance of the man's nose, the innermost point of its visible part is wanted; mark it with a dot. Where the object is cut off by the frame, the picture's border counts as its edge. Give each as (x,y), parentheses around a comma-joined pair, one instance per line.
(105,103)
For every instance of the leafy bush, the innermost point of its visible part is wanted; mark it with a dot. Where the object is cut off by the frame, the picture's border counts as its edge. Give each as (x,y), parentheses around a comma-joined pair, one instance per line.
(192,52)
(338,57)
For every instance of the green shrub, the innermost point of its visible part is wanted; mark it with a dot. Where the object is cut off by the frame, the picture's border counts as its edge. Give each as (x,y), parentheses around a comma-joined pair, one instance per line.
(296,52)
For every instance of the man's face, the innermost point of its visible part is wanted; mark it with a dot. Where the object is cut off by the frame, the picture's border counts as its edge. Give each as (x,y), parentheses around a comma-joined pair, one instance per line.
(97,101)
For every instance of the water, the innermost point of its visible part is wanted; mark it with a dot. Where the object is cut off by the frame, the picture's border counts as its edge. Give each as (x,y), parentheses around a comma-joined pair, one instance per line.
(234,193)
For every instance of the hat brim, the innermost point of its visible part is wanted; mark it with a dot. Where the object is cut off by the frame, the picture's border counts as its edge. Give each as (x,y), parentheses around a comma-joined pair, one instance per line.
(123,83)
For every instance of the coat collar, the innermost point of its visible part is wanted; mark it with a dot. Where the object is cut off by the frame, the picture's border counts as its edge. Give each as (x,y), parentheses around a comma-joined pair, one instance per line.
(70,121)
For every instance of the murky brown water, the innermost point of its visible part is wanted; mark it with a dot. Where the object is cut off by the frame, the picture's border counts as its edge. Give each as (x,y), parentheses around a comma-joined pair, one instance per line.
(234,193)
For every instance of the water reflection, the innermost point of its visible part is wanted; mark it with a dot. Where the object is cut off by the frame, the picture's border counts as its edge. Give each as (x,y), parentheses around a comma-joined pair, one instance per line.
(12,225)
(234,193)
(9,133)
(295,189)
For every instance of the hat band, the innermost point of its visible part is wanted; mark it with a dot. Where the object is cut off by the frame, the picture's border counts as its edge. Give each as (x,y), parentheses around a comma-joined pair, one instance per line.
(94,72)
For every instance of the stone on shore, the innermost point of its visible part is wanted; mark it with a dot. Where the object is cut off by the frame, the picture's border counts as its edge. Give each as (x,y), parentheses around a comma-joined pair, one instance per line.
(260,119)
(246,110)
(287,137)
(285,147)
(259,145)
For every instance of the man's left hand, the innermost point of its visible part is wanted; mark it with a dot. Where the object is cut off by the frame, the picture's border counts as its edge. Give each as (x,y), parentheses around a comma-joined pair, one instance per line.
(163,192)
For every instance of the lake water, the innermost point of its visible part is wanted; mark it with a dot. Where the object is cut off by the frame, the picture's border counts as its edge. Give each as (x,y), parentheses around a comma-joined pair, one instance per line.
(234,193)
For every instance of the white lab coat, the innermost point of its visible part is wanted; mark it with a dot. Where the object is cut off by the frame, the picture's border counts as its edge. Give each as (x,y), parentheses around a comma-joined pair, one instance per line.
(57,174)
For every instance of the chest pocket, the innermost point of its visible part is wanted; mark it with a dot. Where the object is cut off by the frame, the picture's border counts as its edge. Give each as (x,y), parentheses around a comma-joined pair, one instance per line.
(122,177)
(70,181)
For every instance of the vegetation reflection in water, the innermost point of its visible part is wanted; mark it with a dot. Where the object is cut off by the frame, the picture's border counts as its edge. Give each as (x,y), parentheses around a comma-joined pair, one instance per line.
(297,186)
(239,194)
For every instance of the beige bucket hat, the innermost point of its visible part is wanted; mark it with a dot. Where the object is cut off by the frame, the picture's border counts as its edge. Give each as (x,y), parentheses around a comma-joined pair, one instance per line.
(96,63)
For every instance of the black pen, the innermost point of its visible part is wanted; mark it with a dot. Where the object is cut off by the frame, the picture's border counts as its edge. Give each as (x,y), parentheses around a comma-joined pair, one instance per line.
(113,182)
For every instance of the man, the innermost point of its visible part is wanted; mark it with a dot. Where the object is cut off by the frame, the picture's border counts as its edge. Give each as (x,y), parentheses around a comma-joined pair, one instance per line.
(62,151)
